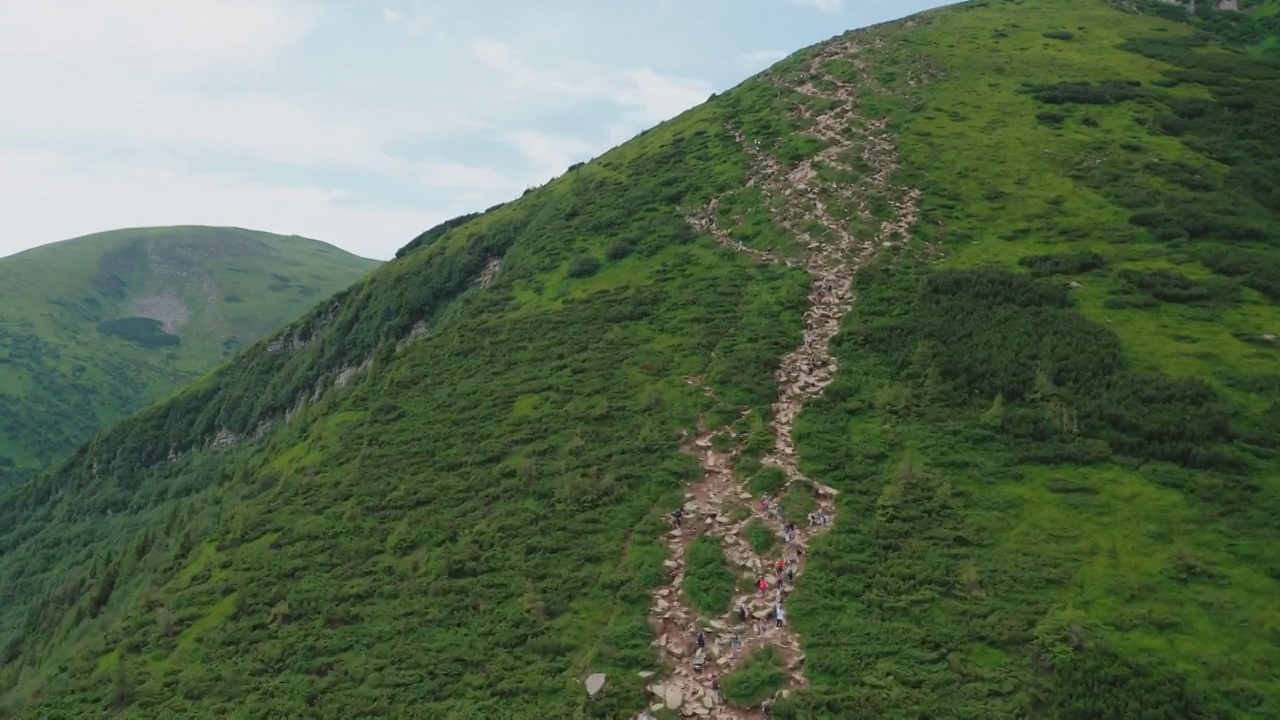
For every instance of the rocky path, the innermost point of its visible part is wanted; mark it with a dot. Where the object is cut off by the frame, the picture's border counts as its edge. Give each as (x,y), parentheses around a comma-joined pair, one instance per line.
(832,252)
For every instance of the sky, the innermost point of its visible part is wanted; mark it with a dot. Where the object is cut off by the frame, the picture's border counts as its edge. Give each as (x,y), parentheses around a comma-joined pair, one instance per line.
(357,122)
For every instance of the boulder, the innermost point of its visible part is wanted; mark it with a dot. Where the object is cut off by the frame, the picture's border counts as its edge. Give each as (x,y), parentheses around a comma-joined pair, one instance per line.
(674,697)
(594,683)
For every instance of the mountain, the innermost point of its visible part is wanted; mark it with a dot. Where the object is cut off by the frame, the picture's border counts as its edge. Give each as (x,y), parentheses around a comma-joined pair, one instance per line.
(991,289)
(94,328)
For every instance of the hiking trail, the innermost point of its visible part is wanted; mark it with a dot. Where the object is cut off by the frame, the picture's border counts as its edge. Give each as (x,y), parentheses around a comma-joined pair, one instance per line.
(800,199)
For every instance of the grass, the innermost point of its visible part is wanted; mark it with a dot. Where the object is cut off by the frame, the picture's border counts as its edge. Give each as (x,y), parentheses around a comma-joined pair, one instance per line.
(709,583)
(758,679)
(1051,503)
(75,355)
(760,537)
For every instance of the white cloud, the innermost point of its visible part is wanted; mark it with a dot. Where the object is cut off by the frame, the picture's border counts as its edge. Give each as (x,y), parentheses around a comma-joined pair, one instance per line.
(523,79)
(67,199)
(823,5)
(391,16)
(656,97)
(485,184)
(551,154)
(647,96)
(761,58)
(102,37)
(129,65)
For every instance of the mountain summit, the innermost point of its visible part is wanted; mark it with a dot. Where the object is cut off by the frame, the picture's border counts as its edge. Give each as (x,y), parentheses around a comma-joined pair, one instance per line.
(94,328)
(929,373)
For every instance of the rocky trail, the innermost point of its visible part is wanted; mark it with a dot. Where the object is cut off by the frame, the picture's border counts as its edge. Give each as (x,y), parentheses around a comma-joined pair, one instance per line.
(715,505)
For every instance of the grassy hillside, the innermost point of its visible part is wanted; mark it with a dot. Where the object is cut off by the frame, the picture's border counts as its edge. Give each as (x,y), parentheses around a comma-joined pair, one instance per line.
(442,494)
(94,328)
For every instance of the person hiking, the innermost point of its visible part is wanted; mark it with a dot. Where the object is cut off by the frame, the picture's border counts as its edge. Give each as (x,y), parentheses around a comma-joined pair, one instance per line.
(735,642)
(715,692)
(742,612)
(702,639)
(779,614)
(764,585)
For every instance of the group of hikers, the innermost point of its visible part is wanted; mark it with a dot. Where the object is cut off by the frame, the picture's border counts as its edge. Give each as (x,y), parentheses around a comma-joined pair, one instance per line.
(783,574)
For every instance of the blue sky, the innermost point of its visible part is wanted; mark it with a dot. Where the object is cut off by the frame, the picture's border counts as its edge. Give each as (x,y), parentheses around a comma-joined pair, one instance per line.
(360,123)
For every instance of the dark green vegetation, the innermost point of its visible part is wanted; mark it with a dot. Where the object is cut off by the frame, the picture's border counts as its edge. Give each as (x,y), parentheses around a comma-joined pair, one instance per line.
(94,328)
(1056,444)
(709,583)
(760,677)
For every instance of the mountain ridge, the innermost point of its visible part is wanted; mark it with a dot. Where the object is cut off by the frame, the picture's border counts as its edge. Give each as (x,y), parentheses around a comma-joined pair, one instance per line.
(98,325)
(444,491)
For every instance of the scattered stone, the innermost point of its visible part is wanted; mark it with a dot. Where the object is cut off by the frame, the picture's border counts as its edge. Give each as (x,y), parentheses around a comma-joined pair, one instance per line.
(594,683)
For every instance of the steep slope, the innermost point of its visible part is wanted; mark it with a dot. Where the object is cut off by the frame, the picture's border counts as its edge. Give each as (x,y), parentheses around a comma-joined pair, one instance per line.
(94,328)
(1046,427)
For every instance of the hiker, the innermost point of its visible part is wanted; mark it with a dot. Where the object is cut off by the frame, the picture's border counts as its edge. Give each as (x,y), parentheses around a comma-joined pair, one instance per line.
(735,642)
(764,585)
(715,693)
(777,511)
(702,640)
(791,575)
(779,614)
(742,612)
(766,708)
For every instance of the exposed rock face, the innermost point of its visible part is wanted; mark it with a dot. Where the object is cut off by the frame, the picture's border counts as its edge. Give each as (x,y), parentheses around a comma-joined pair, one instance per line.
(167,309)
(490,271)
(1192,5)
(800,200)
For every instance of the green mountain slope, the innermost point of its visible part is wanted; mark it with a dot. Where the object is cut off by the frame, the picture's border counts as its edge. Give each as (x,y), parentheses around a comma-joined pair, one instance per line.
(1053,430)
(94,328)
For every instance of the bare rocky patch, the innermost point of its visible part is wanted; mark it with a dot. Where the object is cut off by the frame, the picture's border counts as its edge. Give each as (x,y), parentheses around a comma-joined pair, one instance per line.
(167,309)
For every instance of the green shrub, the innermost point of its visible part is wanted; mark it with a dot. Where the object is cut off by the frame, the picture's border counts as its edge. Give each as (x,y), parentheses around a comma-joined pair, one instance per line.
(1063,263)
(142,331)
(708,583)
(759,678)
(583,266)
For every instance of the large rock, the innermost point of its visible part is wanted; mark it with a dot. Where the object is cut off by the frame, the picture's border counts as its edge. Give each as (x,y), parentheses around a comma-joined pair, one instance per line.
(594,683)
(674,697)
